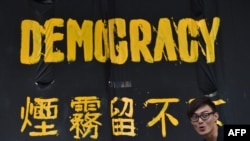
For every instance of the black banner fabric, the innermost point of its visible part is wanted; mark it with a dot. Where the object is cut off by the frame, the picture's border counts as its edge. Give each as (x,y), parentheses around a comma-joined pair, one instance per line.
(122,70)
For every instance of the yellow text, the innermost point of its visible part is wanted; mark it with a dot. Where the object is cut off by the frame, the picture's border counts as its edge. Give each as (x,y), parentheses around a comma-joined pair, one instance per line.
(119,41)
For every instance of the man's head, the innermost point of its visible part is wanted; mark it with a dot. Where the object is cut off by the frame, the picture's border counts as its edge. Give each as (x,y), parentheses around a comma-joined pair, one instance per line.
(203,115)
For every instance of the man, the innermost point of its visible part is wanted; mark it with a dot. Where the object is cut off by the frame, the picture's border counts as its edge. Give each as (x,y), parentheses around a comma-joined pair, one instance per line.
(203,115)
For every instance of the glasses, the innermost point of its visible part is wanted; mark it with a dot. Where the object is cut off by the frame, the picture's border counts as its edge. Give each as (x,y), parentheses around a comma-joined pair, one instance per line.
(204,116)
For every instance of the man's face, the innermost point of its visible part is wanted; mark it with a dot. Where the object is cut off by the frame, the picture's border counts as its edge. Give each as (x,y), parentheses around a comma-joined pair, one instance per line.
(205,120)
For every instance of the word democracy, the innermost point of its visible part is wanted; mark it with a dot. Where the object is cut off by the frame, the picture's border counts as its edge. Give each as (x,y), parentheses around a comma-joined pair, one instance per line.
(111,39)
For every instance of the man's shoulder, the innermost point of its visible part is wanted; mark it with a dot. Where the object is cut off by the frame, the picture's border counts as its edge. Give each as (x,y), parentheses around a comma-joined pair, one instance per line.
(220,133)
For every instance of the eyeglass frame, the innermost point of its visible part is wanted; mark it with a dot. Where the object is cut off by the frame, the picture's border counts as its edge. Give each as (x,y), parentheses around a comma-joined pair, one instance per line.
(200,116)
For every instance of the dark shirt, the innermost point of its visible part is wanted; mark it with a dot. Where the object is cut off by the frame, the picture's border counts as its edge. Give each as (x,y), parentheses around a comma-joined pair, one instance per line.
(220,134)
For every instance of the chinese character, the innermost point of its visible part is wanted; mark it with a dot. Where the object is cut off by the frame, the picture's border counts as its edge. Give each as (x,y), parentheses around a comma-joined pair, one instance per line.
(122,120)
(41,109)
(161,116)
(84,119)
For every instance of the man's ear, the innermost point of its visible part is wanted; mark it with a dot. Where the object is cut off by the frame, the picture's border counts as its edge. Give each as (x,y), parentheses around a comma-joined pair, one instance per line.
(216,115)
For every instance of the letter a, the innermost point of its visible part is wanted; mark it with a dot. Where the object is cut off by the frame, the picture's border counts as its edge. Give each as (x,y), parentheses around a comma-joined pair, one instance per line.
(231,132)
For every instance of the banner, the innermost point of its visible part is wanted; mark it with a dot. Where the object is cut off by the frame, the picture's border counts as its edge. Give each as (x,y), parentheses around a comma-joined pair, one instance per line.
(111,70)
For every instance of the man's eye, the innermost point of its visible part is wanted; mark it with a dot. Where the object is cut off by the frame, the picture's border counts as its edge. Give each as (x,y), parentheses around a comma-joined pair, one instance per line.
(205,115)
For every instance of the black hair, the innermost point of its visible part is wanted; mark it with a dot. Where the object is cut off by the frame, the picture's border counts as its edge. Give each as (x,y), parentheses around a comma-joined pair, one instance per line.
(199,102)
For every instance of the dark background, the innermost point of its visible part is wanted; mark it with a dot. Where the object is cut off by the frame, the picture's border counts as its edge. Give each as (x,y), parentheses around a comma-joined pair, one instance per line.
(163,79)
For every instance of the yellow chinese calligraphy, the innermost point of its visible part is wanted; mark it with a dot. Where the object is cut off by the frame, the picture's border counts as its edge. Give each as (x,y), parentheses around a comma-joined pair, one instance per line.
(161,116)
(84,120)
(41,109)
(122,120)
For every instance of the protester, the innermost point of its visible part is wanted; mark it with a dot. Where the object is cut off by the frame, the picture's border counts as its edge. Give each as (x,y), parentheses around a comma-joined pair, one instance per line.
(203,115)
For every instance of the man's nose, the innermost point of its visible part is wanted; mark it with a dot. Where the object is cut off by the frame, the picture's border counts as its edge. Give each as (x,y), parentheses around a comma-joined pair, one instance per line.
(200,120)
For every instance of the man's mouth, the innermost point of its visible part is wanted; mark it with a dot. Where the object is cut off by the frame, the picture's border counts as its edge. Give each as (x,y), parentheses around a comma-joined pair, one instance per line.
(201,128)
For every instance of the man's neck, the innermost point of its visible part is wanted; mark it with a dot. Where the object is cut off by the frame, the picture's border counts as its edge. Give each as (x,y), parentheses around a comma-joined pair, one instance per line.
(212,136)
